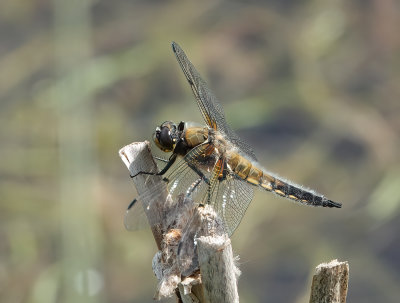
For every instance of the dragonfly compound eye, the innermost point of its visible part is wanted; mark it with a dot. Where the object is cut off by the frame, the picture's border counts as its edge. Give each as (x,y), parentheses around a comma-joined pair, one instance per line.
(163,138)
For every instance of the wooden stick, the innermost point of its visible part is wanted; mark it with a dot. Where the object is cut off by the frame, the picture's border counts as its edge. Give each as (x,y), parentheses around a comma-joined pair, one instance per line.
(330,283)
(217,268)
(177,224)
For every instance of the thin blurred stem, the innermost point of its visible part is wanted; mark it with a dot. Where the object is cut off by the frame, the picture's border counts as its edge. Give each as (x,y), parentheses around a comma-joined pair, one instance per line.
(79,244)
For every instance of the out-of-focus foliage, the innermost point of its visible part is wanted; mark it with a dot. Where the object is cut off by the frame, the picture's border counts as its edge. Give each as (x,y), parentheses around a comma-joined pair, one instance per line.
(312,85)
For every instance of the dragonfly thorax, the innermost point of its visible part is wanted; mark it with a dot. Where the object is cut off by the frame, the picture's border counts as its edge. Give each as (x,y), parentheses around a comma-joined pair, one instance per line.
(180,139)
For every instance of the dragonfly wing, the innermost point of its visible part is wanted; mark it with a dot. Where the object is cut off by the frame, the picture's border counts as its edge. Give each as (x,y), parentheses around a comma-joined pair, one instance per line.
(209,106)
(231,198)
(187,177)
(135,217)
(195,176)
(191,174)
(149,207)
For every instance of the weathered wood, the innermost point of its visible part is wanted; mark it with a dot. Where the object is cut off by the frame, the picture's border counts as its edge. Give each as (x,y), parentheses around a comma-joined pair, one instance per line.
(217,268)
(330,283)
(175,224)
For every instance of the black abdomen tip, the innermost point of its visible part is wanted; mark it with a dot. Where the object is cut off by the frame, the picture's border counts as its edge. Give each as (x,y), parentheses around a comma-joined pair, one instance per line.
(173,44)
(330,203)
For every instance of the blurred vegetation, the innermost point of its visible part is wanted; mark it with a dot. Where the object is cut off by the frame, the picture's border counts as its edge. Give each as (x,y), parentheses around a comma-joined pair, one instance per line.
(312,85)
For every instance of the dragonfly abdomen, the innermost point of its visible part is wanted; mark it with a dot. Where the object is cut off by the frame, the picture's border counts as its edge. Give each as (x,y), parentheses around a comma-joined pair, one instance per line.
(295,193)
(256,176)
(245,169)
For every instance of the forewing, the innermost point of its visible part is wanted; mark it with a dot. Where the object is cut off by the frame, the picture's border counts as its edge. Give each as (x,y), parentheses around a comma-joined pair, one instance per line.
(191,174)
(187,177)
(210,108)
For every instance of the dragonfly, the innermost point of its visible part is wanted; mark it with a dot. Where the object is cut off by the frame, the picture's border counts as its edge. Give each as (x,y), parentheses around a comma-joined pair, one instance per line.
(212,165)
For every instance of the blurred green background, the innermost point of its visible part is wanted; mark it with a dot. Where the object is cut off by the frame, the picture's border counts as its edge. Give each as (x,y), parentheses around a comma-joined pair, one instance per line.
(312,85)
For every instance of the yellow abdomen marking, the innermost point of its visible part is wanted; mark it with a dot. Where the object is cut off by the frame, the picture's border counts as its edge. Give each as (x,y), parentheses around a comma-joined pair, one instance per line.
(255,175)
(240,165)
(267,182)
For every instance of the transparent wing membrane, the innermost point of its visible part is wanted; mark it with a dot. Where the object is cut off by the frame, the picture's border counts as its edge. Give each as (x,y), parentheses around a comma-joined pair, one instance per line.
(209,106)
(191,174)
(231,199)
(135,217)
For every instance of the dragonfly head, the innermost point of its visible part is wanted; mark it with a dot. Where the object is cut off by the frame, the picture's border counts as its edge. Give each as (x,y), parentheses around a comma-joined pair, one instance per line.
(166,136)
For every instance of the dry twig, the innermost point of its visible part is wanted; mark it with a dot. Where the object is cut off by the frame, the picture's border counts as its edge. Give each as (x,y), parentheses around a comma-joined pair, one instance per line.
(175,224)
(330,283)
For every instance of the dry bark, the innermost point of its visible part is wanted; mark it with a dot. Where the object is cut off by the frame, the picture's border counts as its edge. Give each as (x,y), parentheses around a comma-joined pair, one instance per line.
(330,283)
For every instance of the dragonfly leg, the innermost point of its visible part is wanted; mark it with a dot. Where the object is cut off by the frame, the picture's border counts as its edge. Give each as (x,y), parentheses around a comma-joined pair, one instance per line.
(189,157)
(160,159)
(198,182)
(197,171)
(163,171)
